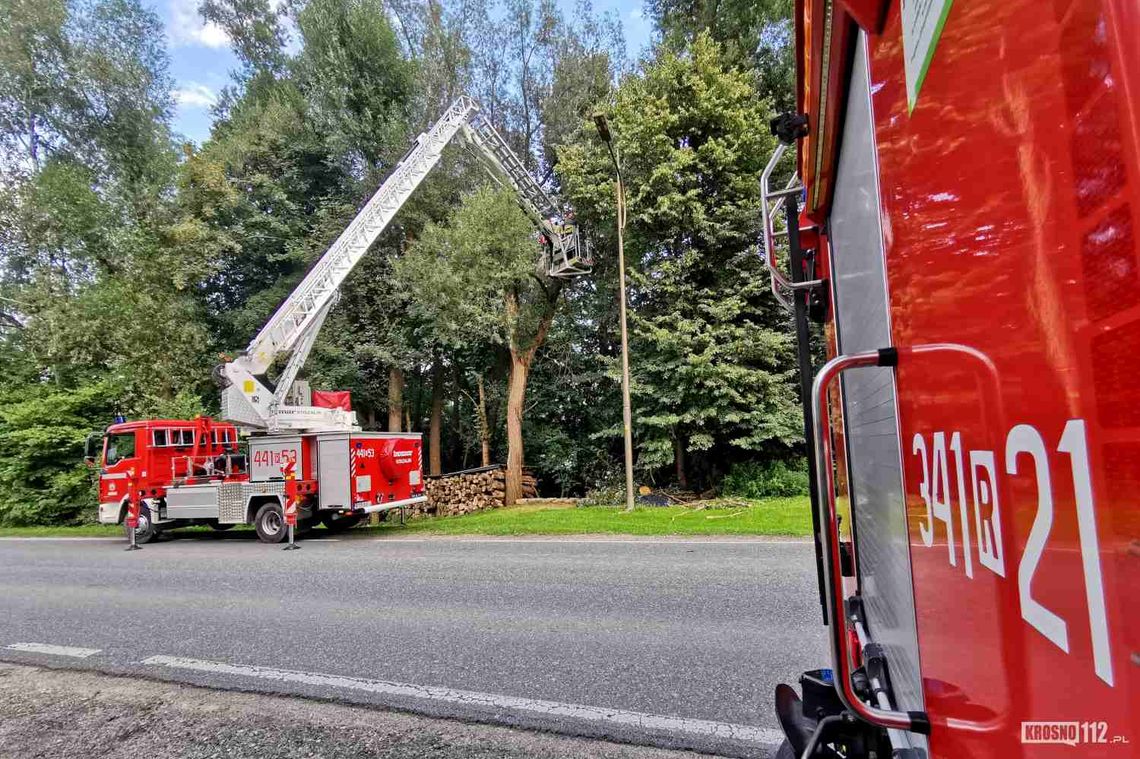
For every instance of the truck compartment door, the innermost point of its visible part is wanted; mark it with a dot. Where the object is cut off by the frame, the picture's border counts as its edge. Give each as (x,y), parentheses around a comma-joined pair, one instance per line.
(333,472)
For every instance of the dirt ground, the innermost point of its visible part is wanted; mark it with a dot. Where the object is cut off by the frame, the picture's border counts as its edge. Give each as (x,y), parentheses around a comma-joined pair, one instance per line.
(67,713)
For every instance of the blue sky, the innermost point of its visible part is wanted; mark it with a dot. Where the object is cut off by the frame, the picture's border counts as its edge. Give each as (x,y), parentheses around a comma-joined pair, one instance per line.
(201,61)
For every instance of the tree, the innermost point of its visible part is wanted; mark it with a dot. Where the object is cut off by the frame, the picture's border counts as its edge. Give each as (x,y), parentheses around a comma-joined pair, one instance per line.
(98,315)
(353,76)
(756,34)
(713,363)
(255,32)
(475,279)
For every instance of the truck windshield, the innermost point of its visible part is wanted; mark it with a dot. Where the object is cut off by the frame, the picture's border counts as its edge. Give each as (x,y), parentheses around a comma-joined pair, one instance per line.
(119,447)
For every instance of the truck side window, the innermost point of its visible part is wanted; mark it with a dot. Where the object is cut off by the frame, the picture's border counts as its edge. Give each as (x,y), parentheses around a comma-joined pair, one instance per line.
(119,447)
(160,438)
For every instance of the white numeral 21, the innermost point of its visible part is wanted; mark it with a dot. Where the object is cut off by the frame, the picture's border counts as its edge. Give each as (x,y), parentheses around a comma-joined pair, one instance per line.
(1023,440)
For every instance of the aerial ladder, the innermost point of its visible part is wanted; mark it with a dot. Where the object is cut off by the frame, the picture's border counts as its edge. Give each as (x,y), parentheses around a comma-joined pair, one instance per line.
(247,398)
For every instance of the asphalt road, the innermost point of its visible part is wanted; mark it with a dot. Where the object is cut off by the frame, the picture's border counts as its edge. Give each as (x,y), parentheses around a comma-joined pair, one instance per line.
(670,643)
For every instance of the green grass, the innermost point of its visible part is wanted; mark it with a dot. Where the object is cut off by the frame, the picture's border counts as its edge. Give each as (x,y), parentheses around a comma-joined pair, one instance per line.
(83,530)
(789,517)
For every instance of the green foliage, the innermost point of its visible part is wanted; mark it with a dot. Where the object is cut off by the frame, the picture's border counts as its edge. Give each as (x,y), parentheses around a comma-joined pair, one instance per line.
(352,73)
(457,272)
(42,431)
(774,478)
(712,355)
(755,34)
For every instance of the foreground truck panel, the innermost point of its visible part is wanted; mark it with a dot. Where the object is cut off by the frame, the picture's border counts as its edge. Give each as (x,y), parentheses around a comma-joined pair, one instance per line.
(970,181)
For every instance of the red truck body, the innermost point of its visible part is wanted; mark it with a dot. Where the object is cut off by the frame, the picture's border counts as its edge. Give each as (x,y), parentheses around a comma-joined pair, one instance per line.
(971,194)
(192,471)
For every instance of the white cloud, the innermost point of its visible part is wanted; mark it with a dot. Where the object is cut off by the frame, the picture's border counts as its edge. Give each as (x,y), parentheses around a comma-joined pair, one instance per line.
(192,95)
(187,27)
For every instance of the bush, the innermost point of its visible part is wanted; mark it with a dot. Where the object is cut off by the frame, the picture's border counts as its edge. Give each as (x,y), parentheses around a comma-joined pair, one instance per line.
(605,495)
(767,479)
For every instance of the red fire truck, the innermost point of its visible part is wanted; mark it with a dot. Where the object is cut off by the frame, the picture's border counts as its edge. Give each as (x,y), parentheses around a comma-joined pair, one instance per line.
(191,471)
(961,216)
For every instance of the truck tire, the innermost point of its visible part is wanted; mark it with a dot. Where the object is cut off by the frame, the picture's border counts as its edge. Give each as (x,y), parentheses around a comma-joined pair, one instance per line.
(270,523)
(339,523)
(146,531)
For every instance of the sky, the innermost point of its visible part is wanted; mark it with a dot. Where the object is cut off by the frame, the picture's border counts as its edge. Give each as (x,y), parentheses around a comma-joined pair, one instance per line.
(201,61)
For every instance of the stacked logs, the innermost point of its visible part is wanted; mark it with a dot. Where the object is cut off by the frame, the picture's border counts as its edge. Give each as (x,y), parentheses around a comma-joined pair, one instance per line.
(470,491)
(466,492)
(529,485)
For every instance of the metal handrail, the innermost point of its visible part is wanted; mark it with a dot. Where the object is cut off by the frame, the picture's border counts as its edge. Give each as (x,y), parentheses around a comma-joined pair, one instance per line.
(770,200)
(918,721)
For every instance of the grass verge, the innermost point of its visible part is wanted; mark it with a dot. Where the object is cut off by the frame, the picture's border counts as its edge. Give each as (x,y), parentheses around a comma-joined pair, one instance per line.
(781,517)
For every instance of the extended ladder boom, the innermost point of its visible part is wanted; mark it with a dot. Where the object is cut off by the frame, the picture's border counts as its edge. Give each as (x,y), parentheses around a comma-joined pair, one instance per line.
(292,329)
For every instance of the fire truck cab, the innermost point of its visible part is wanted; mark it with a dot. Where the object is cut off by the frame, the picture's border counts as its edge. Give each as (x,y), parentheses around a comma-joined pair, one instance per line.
(191,472)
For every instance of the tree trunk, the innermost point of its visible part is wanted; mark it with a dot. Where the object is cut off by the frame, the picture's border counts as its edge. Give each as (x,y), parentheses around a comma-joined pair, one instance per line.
(455,426)
(522,356)
(516,399)
(395,400)
(679,463)
(435,461)
(484,424)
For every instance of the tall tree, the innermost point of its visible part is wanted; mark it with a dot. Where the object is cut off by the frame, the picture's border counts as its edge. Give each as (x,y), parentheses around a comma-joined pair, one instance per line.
(255,33)
(753,33)
(712,360)
(475,279)
(352,72)
(97,310)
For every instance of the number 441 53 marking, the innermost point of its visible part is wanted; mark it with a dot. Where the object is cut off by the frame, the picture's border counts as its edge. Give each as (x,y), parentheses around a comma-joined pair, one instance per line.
(1022,441)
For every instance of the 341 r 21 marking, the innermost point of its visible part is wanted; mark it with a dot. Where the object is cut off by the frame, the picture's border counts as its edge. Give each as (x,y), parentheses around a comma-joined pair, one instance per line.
(1025,453)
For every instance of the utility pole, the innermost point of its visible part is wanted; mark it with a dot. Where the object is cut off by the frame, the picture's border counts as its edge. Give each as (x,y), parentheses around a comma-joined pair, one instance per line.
(627,414)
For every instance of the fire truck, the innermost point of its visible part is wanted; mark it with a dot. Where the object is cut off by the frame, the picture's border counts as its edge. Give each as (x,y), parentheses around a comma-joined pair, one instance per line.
(951,218)
(303,449)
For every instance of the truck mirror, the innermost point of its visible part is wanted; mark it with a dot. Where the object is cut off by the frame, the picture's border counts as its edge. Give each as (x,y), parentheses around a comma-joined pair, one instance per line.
(92,448)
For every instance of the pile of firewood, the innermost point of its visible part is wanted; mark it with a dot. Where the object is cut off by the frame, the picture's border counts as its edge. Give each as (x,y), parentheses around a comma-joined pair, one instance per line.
(469,491)
(466,492)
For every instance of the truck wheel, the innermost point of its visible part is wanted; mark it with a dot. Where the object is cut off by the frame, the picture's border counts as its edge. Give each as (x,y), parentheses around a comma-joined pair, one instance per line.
(270,523)
(340,523)
(146,531)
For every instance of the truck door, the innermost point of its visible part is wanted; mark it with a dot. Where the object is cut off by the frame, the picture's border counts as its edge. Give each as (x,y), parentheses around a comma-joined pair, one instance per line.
(120,456)
(333,472)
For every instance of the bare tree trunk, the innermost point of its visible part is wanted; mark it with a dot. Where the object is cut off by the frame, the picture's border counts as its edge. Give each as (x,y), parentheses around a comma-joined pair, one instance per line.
(395,400)
(455,425)
(679,463)
(516,399)
(484,425)
(435,460)
(521,360)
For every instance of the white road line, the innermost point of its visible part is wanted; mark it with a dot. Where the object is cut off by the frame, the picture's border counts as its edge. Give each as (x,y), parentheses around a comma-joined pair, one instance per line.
(694,727)
(48,648)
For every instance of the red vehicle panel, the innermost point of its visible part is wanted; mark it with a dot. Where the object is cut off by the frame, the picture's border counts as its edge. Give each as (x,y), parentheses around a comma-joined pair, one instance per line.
(1009,200)
(385,469)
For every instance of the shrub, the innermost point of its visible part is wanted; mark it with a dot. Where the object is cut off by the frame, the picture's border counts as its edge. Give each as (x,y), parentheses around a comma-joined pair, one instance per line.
(767,479)
(606,495)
